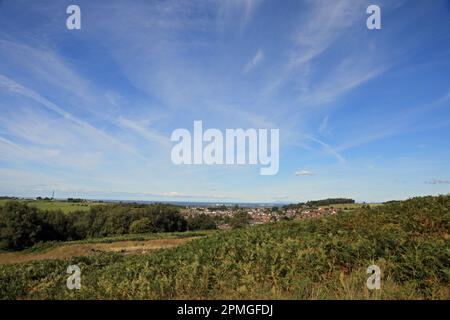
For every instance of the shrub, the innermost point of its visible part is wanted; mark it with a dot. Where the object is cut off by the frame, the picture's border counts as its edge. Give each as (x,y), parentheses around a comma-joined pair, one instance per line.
(201,222)
(240,220)
(20,226)
(142,226)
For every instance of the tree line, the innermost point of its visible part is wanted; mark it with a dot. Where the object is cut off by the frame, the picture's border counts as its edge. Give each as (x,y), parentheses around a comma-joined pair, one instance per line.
(23,226)
(318,203)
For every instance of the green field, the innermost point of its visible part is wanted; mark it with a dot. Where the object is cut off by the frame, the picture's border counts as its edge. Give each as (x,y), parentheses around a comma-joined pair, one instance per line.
(64,206)
(324,258)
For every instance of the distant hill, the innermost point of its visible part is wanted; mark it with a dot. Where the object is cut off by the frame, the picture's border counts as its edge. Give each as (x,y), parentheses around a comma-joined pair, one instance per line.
(318,203)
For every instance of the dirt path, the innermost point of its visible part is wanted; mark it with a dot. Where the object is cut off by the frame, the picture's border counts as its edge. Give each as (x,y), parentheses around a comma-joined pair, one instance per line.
(89,249)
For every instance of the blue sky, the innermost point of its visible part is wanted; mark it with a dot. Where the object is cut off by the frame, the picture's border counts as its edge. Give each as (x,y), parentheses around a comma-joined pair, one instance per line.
(89,113)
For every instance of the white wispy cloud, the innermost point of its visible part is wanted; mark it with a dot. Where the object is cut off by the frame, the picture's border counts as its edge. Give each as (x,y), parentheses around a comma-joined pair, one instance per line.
(304,173)
(323,27)
(254,62)
(15,87)
(42,63)
(392,124)
(146,132)
(328,149)
(320,26)
(437,181)
(323,129)
(318,29)
(348,75)
(10,144)
(243,9)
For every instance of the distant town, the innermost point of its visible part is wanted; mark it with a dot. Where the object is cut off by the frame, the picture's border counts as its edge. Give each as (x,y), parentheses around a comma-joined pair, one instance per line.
(259,215)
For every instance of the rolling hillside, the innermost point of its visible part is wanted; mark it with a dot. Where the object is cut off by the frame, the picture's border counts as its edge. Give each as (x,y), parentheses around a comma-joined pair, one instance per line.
(322,258)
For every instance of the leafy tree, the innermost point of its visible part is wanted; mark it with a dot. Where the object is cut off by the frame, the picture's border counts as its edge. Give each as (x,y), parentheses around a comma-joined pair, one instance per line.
(117,222)
(20,226)
(201,222)
(240,220)
(55,225)
(142,226)
(170,221)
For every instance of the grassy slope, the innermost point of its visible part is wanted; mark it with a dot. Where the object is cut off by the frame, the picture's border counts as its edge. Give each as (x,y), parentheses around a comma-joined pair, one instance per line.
(318,259)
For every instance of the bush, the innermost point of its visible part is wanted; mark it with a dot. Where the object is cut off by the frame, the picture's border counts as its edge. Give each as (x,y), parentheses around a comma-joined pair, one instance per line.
(142,226)
(201,222)
(169,221)
(20,226)
(240,220)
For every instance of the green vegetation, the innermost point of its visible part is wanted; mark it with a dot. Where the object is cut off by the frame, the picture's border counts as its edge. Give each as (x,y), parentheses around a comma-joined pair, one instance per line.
(322,258)
(201,222)
(45,246)
(141,237)
(64,206)
(240,220)
(325,202)
(22,226)
(218,208)
(141,226)
(320,203)
(351,206)
(125,244)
